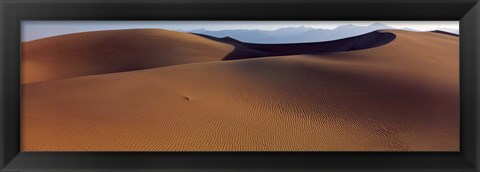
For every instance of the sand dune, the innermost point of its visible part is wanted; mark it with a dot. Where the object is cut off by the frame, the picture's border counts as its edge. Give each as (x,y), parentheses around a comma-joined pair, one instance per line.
(401,96)
(102,52)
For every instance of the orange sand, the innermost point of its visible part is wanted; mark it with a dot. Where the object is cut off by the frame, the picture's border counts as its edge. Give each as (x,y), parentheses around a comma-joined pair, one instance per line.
(402,96)
(101,52)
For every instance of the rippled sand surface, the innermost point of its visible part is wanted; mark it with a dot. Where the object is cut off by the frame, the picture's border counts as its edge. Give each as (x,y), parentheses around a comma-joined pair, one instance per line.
(402,96)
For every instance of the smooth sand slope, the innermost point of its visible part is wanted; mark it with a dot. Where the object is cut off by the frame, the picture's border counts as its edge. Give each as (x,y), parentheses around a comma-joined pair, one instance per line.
(102,52)
(402,96)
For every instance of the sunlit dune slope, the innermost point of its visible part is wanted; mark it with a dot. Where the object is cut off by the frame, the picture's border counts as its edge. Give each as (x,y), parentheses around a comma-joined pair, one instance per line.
(402,96)
(110,51)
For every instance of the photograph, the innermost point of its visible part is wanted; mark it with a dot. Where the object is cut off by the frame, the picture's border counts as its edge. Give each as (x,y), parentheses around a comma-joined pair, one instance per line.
(239,86)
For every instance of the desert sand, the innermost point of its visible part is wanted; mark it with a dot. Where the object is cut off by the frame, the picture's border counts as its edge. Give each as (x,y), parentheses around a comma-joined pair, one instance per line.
(399,94)
(102,52)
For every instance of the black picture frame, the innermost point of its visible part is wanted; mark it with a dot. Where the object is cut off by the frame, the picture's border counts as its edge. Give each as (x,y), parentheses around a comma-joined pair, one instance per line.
(14,11)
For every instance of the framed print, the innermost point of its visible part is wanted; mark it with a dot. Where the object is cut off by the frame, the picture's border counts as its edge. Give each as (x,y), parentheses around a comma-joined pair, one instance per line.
(259,86)
(239,85)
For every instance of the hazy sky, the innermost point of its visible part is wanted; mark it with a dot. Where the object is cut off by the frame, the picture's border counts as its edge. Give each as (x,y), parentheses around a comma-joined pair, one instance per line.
(39,29)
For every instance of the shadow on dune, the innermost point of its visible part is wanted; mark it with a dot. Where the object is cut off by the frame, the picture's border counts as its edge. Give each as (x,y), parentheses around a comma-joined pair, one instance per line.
(245,50)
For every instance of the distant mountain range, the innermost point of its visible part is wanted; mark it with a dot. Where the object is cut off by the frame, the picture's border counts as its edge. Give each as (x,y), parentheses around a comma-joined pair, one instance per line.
(299,34)
(282,35)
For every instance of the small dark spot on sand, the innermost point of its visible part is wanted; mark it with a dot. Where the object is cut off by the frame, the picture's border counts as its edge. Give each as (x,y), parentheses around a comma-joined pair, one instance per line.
(187,98)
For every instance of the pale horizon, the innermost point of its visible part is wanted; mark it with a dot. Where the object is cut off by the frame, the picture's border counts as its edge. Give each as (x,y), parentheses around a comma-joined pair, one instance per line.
(32,30)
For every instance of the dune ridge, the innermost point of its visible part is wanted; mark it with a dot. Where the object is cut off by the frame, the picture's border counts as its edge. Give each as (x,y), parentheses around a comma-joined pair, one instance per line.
(102,52)
(111,51)
(401,96)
